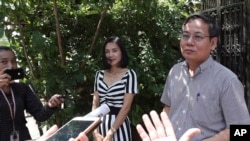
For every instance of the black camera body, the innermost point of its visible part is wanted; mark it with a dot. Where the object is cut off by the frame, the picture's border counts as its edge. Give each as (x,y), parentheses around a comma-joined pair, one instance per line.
(15,73)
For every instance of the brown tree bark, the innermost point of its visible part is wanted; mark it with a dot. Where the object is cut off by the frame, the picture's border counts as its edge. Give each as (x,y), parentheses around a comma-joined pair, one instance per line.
(96,33)
(59,37)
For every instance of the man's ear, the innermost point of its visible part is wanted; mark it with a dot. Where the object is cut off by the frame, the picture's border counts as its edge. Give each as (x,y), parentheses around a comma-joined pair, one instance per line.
(214,43)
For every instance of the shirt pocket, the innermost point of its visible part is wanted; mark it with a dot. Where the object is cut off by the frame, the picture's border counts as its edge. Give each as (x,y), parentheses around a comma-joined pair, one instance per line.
(206,110)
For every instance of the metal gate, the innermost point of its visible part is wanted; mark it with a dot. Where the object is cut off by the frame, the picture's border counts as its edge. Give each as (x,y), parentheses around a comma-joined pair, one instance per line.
(233,47)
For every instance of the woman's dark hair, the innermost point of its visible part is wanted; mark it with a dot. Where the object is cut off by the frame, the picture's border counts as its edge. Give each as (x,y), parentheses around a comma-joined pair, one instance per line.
(213,27)
(120,44)
(5,48)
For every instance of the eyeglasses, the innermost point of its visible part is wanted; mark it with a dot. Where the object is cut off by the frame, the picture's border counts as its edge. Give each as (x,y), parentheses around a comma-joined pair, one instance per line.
(196,38)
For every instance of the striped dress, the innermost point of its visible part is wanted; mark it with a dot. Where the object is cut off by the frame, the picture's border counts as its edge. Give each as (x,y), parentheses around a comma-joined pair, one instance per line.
(113,96)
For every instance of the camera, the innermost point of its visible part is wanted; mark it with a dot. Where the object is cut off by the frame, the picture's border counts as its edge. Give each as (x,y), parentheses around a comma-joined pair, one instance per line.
(15,73)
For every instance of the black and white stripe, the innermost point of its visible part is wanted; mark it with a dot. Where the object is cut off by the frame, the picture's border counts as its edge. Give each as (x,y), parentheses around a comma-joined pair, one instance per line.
(113,96)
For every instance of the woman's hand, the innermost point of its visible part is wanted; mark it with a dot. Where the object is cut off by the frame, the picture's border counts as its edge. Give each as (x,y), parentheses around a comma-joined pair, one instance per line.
(98,137)
(5,80)
(81,137)
(55,101)
(109,136)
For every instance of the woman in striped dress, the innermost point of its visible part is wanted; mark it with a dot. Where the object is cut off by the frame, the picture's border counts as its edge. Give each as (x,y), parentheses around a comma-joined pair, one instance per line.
(115,86)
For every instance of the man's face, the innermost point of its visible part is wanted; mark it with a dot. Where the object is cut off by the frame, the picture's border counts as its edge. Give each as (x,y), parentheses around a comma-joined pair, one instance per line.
(195,43)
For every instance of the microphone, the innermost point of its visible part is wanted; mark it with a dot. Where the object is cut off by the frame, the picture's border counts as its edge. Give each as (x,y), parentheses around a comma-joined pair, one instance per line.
(99,112)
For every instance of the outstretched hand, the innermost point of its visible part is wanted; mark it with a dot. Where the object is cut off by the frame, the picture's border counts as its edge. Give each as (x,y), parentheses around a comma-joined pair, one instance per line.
(54,128)
(55,100)
(162,129)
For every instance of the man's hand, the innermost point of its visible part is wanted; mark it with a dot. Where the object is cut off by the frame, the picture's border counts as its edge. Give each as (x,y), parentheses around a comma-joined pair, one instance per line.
(162,129)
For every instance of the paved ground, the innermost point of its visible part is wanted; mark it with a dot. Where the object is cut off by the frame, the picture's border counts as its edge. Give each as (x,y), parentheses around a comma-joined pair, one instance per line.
(33,128)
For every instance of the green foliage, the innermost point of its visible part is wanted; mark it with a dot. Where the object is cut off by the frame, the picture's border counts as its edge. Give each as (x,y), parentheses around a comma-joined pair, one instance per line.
(149,28)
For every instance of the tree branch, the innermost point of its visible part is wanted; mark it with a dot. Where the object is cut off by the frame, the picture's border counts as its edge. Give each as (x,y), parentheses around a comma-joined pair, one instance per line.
(25,49)
(96,34)
(59,37)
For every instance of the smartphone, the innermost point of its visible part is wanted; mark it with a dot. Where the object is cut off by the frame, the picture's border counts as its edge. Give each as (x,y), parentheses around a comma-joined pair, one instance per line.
(15,73)
(75,126)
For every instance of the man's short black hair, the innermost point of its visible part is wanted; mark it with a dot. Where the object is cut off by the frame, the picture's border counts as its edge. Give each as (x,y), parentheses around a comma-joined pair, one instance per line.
(213,26)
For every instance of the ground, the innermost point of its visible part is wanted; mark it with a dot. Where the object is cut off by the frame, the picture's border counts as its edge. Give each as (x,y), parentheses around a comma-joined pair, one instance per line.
(33,127)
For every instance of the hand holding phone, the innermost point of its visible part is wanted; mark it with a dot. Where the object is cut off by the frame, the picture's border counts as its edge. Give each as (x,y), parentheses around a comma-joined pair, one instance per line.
(15,73)
(75,126)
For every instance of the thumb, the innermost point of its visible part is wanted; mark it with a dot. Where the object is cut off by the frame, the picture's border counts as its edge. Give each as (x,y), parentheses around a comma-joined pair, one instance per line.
(189,134)
(47,134)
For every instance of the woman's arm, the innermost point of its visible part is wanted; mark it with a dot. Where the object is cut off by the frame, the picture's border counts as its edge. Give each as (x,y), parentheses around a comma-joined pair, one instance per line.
(95,102)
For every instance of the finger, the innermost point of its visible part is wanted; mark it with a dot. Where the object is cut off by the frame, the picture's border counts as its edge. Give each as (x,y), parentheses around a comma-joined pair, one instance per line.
(99,137)
(48,133)
(168,126)
(51,103)
(150,127)
(82,137)
(158,124)
(58,99)
(189,134)
(5,81)
(52,130)
(54,101)
(143,134)
(5,76)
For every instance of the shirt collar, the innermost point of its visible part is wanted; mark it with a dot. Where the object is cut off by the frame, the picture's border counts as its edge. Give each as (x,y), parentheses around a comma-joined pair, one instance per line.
(202,66)
(206,64)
